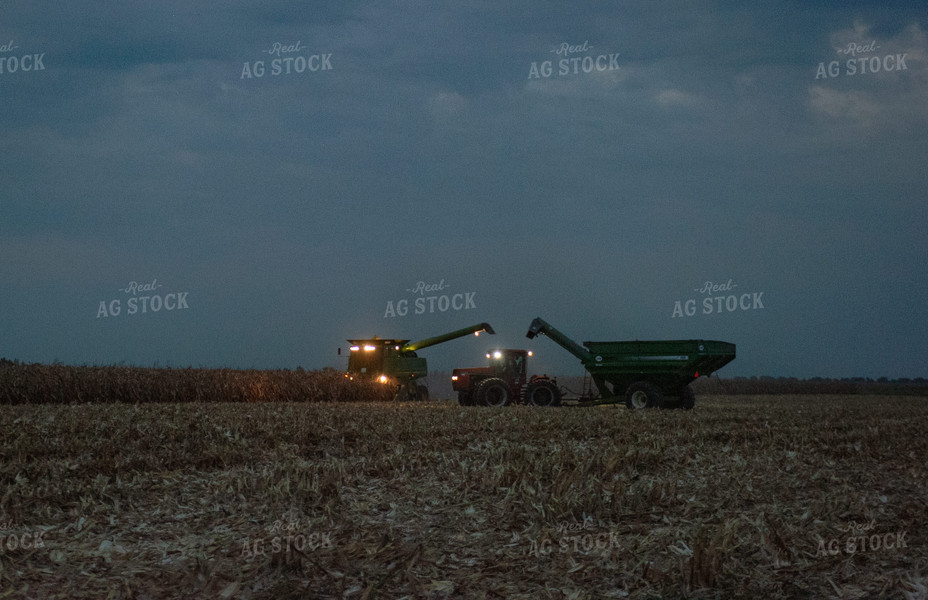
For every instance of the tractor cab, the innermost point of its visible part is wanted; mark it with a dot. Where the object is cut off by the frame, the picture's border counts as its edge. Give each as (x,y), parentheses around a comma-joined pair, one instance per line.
(509,365)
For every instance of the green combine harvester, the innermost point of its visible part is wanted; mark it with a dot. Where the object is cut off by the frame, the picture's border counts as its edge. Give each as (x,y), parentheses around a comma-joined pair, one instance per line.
(395,362)
(645,374)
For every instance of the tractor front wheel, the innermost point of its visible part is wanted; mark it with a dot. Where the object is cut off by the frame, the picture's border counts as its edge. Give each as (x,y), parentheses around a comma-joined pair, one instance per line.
(643,394)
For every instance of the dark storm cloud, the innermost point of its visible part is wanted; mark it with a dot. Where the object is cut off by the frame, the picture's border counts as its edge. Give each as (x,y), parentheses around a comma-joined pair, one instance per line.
(294,207)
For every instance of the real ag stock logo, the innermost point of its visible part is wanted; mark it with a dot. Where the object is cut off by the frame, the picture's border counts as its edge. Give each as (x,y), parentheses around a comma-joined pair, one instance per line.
(427,298)
(864,537)
(12,540)
(13,61)
(862,59)
(574,538)
(143,298)
(286,536)
(290,59)
(718,298)
(574,59)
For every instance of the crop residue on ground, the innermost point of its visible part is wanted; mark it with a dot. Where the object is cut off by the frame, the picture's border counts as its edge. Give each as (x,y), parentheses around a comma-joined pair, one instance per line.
(764,496)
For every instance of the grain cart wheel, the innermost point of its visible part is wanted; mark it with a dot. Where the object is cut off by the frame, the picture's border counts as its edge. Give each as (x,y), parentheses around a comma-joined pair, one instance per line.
(422,393)
(492,392)
(642,394)
(687,398)
(543,393)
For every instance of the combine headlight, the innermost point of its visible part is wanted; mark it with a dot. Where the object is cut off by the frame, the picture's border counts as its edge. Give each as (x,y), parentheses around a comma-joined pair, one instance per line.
(497,354)
(355,348)
(383,379)
(369,348)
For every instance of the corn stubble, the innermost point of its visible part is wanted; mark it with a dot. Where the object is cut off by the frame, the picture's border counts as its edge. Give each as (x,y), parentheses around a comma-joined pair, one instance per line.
(433,500)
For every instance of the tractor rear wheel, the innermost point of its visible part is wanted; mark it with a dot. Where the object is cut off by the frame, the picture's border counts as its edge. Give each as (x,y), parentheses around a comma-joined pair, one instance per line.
(543,393)
(493,392)
(643,394)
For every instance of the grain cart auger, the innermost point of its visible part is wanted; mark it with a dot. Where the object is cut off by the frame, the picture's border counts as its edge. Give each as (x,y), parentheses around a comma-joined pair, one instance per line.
(394,362)
(645,374)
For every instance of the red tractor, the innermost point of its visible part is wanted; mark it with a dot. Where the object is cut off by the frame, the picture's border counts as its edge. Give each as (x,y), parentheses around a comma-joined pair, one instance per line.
(503,382)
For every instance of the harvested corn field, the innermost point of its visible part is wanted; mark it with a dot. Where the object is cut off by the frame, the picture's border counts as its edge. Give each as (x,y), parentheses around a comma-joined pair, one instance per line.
(743,497)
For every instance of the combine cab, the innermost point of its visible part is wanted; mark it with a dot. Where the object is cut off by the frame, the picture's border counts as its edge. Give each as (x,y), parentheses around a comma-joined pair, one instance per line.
(395,362)
(503,382)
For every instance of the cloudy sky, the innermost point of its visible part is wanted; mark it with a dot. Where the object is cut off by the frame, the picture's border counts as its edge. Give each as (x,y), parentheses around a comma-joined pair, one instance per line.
(593,163)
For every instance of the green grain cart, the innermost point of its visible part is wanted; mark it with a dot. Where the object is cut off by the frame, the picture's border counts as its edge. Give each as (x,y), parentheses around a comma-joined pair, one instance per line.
(645,374)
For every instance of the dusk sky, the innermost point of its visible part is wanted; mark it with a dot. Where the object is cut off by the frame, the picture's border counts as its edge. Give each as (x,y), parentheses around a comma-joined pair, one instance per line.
(277,177)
